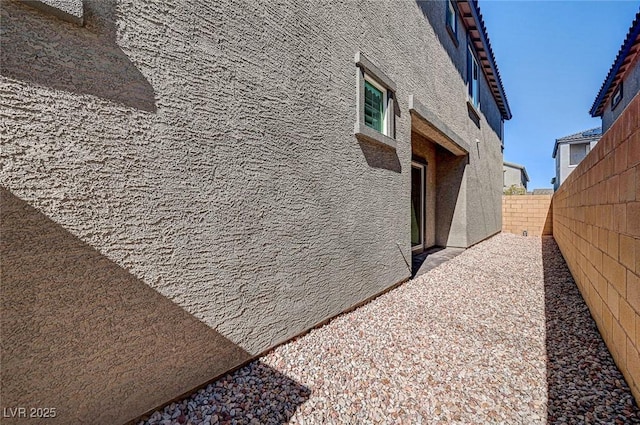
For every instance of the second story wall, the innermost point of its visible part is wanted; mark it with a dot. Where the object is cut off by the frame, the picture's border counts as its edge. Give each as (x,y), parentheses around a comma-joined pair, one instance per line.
(481,128)
(630,89)
(451,103)
(564,164)
(513,176)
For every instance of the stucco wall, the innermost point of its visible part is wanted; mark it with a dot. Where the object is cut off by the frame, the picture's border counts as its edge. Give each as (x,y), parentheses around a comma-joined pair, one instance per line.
(513,176)
(484,173)
(206,150)
(474,207)
(563,157)
(630,87)
(596,222)
(565,168)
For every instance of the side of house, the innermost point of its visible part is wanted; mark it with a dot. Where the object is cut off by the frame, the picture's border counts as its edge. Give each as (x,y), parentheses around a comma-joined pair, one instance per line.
(570,150)
(514,174)
(188,184)
(622,83)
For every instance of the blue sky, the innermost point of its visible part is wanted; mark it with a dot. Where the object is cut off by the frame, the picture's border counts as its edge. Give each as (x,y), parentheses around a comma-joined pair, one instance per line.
(553,57)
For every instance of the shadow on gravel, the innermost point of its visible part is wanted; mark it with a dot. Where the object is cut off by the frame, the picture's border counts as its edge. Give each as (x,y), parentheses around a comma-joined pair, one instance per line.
(253,394)
(584,384)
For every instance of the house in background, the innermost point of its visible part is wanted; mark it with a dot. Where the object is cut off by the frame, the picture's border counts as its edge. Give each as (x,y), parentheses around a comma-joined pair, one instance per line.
(622,83)
(187,185)
(514,174)
(620,86)
(570,150)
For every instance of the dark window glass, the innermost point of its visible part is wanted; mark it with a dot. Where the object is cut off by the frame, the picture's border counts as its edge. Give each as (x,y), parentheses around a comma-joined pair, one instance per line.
(472,78)
(417,205)
(617,96)
(451,18)
(373,107)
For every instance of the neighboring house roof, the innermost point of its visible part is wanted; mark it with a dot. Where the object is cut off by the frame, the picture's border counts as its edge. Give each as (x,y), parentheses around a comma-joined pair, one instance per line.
(521,167)
(581,136)
(472,19)
(628,53)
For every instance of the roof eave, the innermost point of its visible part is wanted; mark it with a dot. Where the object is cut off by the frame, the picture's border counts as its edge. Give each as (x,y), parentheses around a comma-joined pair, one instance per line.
(518,166)
(631,41)
(488,61)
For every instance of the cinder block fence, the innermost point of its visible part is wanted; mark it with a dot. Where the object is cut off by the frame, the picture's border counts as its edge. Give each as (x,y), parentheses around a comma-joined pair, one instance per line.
(527,213)
(596,223)
(595,219)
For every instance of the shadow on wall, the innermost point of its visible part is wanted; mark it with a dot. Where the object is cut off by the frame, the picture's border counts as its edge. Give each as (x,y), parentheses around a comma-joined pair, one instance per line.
(582,379)
(449,173)
(41,49)
(547,229)
(378,156)
(84,336)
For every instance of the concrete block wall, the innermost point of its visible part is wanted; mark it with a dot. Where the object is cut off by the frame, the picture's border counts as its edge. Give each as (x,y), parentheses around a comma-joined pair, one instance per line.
(527,212)
(596,222)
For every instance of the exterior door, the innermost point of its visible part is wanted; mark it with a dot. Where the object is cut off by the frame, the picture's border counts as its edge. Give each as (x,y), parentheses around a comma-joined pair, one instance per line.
(418,174)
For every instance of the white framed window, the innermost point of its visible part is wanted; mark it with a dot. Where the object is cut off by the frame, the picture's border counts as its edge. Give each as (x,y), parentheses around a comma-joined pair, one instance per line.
(577,152)
(375,117)
(473,78)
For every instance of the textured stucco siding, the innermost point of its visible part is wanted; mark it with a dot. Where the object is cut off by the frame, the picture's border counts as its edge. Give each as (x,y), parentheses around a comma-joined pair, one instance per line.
(556,183)
(206,150)
(563,157)
(484,202)
(472,210)
(565,168)
(513,176)
(630,89)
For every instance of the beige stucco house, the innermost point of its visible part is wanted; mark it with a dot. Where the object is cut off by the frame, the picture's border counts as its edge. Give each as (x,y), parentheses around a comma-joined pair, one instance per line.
(187,184)
(514,175)
(569,151)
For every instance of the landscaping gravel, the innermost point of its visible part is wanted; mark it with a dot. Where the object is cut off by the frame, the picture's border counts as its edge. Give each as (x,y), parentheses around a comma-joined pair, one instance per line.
(498,334)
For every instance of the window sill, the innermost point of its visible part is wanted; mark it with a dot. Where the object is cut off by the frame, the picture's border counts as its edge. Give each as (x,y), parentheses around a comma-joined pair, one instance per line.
(362,132)
(453,35)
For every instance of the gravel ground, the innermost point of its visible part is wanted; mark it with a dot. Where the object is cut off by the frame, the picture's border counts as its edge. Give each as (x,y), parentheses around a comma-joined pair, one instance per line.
(498,334)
